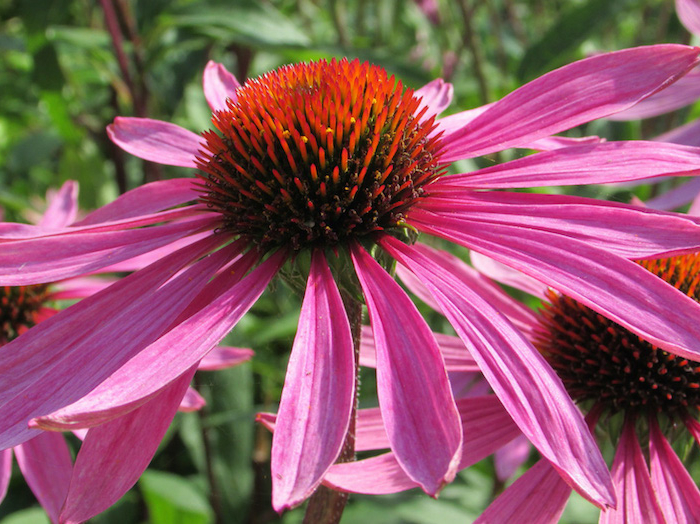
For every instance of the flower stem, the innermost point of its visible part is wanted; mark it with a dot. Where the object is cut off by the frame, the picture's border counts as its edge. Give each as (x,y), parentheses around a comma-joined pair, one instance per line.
(326,505)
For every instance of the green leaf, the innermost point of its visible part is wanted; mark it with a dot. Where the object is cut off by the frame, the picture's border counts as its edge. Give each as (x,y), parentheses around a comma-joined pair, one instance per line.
(171,499)
(257,26)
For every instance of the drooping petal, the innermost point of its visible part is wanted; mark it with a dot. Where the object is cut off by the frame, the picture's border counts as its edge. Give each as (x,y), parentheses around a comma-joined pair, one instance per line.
(510,457)
(486,427)
(636,498)
(369,428)
(113,456)
(436,95)
(63,207)
(507,275)
(47,466)
(517,312)
(49,259)
(157,141)
(682,93)
(539,493)
(26,232)
(676,197)
(524,382)
(687,134)
(219,85)
(551,143)
(222,357)
(414,393)
(54,364)
(210,316)
(79,287)
(601,163)
(571,95)
(613,286)
(675,489)
(318,394)
(5,471)
(689,13)
(143,200)
(452,123)
(455,354)
(192,401)
(625,230)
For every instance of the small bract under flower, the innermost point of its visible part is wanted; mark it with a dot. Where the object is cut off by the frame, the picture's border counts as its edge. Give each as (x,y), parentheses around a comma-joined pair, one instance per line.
(316,153)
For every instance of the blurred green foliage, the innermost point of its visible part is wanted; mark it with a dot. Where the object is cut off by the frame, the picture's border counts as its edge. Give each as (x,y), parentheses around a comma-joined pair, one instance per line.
(65,75)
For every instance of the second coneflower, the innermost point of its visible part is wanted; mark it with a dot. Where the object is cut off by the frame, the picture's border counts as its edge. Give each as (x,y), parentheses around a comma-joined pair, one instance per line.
(322,172)
(640,394)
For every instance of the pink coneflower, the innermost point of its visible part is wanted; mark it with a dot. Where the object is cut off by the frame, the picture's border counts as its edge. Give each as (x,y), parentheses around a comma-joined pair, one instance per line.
(45,459)
(642,395)
(309,169)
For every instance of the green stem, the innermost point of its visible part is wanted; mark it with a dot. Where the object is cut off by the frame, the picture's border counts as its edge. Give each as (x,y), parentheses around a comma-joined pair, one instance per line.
(326,505)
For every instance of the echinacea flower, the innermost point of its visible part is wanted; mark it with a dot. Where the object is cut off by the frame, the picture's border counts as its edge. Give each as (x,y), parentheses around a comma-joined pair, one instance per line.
(643,396)
(328,169)
(45,459)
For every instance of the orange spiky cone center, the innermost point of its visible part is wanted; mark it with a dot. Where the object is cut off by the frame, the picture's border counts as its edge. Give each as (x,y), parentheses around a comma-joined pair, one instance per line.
(315,154)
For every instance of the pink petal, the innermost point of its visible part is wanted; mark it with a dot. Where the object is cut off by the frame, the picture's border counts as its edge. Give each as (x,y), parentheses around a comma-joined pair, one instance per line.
(510,457)
(455,354)
(585,164)
(210,316)
(369,429)
(436,96)
(219,85)
(574,94)
(113,456)
(539,494)
(486,427)
(5,471)
(60,360)
(453,123)
(687,134)
(636,498)
(507,275)
(693,427)
(182,214)
(47,466)
(552,143)
(224,357)
(614,287)
(517,312)
(63,207)
(146,259)
(528,387)
(192,401)
(48,259)
(144,200)
(79,287)
(676,197)
(414,393)
(318,394)
(625,230)
(675,489)
(682,93)
(157,141)
(689,13)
